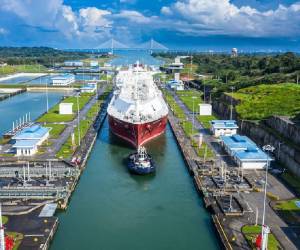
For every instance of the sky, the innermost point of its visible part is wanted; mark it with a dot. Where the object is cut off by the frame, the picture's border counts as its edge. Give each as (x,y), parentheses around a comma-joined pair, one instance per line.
(249,25)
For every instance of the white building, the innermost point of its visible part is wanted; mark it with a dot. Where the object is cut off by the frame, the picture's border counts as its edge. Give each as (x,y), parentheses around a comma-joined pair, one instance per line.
(94,63)
(63,80)
(205,109)
(176,85)
(89,88)
(73,64)
(176,66)
(66,108)
(223,127)
(28,140)
(245,152)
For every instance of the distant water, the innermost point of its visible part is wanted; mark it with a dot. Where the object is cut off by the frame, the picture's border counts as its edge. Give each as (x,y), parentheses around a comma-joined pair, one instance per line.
(17,79)
(47,79)
(125,57)
(13,108)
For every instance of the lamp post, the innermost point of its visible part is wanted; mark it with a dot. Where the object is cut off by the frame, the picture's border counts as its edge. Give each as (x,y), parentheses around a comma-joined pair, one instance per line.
(265,228)
(78,120)
(193,97)
(231,104)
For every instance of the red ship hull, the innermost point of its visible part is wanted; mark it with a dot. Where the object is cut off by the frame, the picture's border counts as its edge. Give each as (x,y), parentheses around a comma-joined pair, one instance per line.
(137,134)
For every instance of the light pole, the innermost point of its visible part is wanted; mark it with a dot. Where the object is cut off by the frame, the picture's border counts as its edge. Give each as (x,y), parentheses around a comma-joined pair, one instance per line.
(231,104)
(193,97)
(265,229)
(78,120)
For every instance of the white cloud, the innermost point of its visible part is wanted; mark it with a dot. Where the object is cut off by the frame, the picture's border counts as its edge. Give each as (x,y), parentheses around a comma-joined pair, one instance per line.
(128,1)
(3,31)
(134,16)
(202,17)
(94,17)
(166,10)
(89,23)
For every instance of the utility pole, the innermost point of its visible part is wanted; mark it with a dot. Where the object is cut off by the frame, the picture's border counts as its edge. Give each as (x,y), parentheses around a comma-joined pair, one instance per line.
(78,120)
(265,229)
(193,97)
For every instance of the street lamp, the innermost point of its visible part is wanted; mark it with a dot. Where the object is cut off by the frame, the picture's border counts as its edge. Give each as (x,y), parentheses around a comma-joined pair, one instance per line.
(265,229)
(193,97)
(78,120)
(231,104)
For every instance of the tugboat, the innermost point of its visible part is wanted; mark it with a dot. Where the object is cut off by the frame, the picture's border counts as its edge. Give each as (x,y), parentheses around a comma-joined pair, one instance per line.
(140,162)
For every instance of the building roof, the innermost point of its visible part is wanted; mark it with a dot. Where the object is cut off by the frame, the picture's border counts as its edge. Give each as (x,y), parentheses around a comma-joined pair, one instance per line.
(26,143)
(251,154)
(244,148)
(35,132)
(89,86)
(63,77)
(219,124)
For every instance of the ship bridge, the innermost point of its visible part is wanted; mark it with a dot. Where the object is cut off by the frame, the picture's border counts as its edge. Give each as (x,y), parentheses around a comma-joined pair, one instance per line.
(137,99)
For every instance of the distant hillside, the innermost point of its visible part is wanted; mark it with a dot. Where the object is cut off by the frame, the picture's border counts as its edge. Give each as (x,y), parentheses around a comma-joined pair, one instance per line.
(245,70)
(37,55)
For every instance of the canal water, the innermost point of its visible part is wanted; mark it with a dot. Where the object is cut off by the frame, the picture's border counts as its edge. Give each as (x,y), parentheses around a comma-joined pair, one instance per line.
(34,102)
(112,209)
(47,79)
(125,57)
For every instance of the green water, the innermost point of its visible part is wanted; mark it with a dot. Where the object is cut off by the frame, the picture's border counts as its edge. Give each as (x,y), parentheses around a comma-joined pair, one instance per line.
(112,209)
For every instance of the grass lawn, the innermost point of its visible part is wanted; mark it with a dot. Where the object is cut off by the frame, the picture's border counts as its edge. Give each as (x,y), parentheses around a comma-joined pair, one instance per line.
(178,112)
(53,114)
(262,101)
(4,219)
(204,150)
(26,68)
(68,149)
(56,129)
(289,205)
(186,97)
(205,120)
(187,126)
(251,232)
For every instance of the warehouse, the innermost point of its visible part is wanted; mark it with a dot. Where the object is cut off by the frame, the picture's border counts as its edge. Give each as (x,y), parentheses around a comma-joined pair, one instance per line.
(73,64)
(90,87)
(223,127)
(28,140)
(245,152)
(63,80)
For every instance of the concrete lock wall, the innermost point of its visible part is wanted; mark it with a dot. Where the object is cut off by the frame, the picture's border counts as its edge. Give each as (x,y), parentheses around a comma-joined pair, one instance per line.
(285,127)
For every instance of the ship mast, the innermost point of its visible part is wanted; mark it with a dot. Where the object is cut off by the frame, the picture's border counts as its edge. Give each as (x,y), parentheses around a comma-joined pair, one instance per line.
(136,91)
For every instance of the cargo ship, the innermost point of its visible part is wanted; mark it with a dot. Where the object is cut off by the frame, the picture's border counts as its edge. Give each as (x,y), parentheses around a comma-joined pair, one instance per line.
(137,112)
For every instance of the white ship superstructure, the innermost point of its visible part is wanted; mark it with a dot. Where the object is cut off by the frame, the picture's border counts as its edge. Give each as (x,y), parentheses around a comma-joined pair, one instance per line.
(137,101)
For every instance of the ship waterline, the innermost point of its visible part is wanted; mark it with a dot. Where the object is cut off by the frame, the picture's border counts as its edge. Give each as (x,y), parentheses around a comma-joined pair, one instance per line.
(137,134)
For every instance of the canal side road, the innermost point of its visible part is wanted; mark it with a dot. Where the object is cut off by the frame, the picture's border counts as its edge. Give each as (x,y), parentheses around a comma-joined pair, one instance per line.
(57,143)
(254,200)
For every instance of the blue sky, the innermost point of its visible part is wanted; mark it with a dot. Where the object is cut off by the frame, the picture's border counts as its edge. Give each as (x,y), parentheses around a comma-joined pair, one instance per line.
(192,24)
